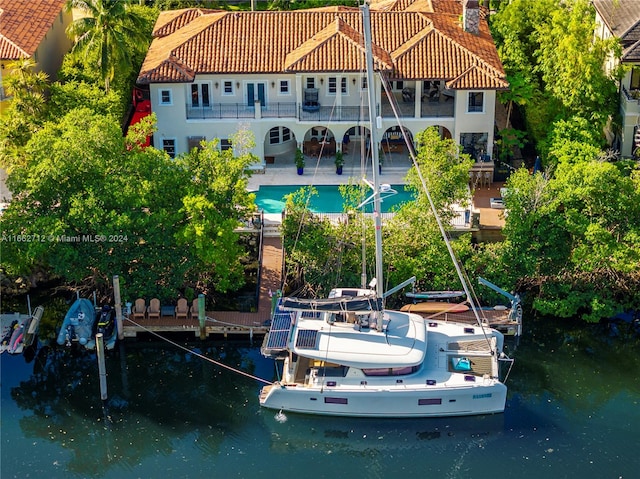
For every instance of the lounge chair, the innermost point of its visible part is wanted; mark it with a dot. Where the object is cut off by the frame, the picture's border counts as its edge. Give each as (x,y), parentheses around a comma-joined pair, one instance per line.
(194,309)
(153,312)
(182,309)
(139,310)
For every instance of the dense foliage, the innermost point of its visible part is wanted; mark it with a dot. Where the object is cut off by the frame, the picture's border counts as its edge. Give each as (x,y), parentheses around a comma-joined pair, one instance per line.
(571,231)
(89,205)
(321,255)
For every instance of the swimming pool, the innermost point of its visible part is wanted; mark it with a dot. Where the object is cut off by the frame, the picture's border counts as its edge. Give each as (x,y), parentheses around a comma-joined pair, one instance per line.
(328,200)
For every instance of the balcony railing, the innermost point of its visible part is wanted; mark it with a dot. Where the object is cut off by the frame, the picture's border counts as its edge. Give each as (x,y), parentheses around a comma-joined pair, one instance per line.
(331,113)
(321,113)
(633,95)
(631,103)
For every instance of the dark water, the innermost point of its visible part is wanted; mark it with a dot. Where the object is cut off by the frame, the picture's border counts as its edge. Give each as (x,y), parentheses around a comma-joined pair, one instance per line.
(573,411)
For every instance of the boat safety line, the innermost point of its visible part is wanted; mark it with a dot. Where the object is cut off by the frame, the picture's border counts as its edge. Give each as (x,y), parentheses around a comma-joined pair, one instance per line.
(201,356)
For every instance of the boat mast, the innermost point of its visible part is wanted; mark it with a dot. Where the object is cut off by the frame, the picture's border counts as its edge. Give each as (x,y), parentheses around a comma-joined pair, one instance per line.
(366,23)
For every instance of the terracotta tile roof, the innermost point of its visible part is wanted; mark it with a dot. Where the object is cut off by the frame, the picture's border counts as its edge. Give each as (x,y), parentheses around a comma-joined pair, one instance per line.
(407,44)
(23,25)
(338,36)
(622,17)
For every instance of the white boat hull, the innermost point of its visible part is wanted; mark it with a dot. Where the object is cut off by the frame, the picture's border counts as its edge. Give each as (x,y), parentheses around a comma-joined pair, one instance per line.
(397,402)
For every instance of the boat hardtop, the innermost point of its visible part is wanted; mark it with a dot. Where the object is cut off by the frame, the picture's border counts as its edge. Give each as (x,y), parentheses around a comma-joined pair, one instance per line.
(402,342)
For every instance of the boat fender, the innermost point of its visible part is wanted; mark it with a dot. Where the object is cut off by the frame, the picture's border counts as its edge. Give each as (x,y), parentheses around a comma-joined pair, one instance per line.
(500,307)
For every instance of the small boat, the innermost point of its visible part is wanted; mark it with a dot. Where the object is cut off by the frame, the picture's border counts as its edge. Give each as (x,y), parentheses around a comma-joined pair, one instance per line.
(77,326)
(105,325)
(19,330)
(429,307)
(506,319)
(437,295)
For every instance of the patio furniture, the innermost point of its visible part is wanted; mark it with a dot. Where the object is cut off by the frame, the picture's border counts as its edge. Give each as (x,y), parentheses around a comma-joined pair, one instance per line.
(153,311)
(194,311)
(182,309)
(139,310)
(311,100)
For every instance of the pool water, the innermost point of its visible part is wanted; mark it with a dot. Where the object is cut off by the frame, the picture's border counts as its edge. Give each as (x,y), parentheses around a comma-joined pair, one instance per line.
(271,199)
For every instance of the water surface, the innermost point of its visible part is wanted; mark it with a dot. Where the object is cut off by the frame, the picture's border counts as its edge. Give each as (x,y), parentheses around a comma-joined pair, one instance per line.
(572,411)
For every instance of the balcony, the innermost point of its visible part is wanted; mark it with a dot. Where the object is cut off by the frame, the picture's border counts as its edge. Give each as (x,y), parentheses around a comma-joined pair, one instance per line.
(440,106)
(631,101)
(276,110)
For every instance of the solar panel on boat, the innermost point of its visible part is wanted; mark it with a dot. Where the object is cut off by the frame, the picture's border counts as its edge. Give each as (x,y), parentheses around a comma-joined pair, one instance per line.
(306,339)
(279,331)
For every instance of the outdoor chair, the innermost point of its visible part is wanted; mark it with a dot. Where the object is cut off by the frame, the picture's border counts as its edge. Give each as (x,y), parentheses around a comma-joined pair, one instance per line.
(194,309)
(139,310)
(153,312)
(182,309)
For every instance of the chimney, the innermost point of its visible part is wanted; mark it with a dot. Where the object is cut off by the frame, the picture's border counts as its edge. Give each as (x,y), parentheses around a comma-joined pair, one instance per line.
(471,16)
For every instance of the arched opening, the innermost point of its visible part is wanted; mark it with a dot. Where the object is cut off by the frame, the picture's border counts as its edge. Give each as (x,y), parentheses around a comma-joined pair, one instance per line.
(280,142)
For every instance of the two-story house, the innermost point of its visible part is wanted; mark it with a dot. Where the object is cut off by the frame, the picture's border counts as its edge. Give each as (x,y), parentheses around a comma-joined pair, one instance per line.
(294,77)
(621,19)
(33,29)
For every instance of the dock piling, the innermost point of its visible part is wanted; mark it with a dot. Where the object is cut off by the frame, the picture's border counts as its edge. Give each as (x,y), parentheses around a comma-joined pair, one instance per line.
(201,316)
(102,372)
(116,298)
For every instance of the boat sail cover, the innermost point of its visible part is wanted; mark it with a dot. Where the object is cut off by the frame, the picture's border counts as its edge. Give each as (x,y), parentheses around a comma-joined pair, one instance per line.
(334,305)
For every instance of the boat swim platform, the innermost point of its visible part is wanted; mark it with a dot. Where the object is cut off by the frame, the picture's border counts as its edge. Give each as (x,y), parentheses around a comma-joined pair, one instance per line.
(224,323)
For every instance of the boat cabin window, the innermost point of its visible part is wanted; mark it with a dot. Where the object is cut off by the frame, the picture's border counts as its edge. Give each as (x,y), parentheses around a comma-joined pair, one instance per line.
(332,372)
(390,371)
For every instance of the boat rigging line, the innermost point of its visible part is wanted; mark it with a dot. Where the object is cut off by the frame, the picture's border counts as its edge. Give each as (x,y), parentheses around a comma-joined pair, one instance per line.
(461,274)
(201,356)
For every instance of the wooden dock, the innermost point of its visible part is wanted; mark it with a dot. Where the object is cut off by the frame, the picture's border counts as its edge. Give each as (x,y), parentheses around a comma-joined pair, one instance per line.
(227,322)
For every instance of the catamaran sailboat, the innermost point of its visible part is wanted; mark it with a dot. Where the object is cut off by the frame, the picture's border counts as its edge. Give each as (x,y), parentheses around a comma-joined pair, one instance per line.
(347,355)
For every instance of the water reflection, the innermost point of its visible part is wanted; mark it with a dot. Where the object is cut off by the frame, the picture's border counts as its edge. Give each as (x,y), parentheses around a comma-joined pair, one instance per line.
(156,394)
(572,411)
(295,431)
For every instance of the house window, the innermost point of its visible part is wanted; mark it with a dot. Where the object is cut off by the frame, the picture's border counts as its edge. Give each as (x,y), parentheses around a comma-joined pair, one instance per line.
(363,83)
(227,87)
(343,85)
(279,135)
(476,102)
(194,142)
(333,85)
(169,146)
(225,144)
(165,97)
(200,95)
(635,78)
(311,82)
(284,87)
(399,85)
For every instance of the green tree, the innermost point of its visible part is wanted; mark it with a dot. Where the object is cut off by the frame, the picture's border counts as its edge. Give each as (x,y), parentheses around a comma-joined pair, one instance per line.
(94,208)
(26,111)
(215,203)
(108,35)
(574,238)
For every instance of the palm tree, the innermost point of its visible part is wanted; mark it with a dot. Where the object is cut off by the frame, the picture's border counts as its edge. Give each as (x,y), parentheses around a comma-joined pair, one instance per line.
(27,86)
(108,31)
